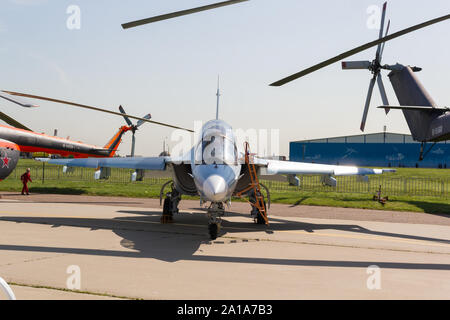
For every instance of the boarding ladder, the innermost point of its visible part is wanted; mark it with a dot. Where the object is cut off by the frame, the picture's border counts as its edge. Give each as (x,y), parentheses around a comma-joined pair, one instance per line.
(254,184)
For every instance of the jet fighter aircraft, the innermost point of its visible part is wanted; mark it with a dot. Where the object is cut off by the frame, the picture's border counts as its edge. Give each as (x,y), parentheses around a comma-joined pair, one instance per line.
(215,170)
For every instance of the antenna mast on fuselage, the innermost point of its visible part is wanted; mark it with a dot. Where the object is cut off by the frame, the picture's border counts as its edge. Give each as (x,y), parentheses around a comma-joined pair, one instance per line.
(218,98)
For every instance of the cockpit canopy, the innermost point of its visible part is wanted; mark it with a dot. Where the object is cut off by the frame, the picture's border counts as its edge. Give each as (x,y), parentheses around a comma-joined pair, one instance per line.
(217,144)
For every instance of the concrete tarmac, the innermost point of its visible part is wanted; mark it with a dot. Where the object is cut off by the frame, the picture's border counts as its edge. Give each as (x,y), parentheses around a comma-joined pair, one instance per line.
(116,248)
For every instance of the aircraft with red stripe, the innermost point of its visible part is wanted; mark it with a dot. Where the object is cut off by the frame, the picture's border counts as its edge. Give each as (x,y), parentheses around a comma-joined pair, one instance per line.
(14,141)
(18,138)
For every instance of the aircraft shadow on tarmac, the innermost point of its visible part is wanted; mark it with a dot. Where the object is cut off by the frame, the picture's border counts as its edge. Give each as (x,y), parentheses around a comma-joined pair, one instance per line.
(148,238)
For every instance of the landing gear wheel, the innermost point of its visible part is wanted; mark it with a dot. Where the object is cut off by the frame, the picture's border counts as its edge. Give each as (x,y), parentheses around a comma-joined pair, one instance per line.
(167,216)
(213,230)
(259,219)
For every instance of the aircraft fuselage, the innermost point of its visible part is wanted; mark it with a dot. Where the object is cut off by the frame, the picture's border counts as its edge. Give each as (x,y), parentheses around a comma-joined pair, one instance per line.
(215,167)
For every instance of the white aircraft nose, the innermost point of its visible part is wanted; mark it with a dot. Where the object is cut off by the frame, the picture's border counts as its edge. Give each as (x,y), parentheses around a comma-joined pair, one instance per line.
(215,188)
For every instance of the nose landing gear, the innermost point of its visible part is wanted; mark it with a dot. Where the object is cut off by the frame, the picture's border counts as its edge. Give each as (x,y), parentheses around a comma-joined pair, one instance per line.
(213,229)
(215,211)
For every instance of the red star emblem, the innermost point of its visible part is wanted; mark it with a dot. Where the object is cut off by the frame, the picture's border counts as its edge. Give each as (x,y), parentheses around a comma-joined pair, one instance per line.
(6,161)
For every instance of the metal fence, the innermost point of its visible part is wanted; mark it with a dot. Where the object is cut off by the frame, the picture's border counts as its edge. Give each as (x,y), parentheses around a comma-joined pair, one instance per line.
(46,172)
(390,184)
(402,186)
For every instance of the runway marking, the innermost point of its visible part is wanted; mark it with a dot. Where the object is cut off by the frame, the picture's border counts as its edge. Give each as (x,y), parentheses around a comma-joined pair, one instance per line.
(329,235)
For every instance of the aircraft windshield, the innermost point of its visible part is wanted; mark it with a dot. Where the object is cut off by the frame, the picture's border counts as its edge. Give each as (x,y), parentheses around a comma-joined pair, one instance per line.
(217,145)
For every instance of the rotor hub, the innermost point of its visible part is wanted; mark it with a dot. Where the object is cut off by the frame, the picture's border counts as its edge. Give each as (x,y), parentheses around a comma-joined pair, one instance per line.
(375,67)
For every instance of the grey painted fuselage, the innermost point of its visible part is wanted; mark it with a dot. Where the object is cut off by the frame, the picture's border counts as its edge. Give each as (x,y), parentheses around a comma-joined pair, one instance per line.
(213,170)
(215,167)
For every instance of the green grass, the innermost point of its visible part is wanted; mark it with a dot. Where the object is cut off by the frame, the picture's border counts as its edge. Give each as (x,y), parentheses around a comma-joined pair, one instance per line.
(363,201)
(408,189)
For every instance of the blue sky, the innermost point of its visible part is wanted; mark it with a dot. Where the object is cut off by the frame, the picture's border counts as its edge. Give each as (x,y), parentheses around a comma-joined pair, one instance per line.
(170,68)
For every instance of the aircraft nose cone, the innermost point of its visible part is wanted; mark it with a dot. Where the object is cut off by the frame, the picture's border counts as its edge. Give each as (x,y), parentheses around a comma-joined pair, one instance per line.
(215,188)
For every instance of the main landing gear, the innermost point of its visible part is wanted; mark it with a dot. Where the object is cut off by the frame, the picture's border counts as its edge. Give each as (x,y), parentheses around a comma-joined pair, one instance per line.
(256,213)
(170,206)
(215,211)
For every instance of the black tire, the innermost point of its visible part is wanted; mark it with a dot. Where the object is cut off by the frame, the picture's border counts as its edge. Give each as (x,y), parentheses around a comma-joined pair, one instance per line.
(167,207)
(259,218)
(213,229)
(167,216)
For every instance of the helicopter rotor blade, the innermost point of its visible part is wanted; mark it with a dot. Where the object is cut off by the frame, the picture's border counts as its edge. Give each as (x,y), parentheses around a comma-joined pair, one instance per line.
(20,103)
(127,120)
(351,52)
(366,108)
(13,122)
(94,108)
(384,43)
(140,122)
(383,17)
(352,65)
(382,92)
(179,13)
(133,144)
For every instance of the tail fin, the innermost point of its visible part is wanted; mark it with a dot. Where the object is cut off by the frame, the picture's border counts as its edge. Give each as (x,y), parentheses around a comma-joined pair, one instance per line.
(115,141)
(410,92)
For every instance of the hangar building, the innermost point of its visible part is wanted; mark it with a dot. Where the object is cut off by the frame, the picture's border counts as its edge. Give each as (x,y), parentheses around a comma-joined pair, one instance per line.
(378,149)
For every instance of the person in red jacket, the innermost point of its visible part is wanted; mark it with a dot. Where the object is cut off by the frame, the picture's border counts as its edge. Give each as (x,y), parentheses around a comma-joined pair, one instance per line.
(26,177)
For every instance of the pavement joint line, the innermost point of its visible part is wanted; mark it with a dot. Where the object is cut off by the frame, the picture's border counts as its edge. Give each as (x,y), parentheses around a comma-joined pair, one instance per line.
(336,245)
(58,255)
(380,238)
(12,283)
(55,255)
(33,260)
(361,237)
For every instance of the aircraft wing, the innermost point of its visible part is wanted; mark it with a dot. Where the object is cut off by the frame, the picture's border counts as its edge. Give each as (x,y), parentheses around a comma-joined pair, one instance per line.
(289,167)
(146,163)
